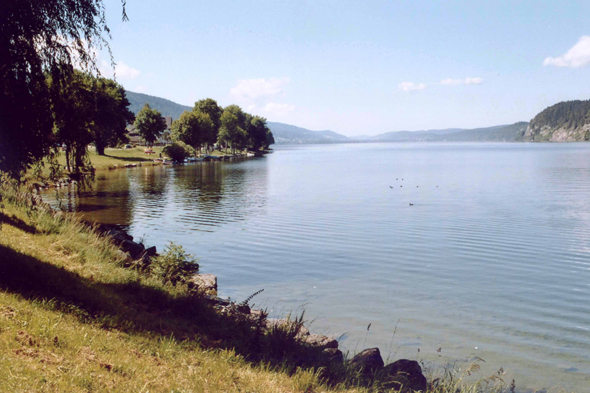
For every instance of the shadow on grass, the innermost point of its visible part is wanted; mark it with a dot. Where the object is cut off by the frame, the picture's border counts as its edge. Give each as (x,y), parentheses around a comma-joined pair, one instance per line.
(17,223)
(131,159)
(139,309)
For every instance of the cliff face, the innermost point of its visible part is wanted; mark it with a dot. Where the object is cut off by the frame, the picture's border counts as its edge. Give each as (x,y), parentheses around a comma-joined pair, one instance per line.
(564,122)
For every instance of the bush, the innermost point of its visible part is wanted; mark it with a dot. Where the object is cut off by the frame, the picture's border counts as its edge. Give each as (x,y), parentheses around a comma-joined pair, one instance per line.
(174,265)
(176,152)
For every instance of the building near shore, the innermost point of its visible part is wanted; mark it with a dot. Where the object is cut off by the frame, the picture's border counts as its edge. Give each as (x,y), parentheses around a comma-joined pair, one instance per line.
(135,139)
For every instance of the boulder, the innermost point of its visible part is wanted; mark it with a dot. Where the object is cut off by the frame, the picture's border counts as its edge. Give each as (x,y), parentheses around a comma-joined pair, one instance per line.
(134,249)
(368,361)
(150,252)
(205,282)
(319,341)
(334,354)
(405,374)
(218,301)
(119,236)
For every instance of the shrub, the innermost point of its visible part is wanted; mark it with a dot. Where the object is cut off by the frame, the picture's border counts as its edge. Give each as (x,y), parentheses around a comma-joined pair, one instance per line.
(176,152)
(174,265)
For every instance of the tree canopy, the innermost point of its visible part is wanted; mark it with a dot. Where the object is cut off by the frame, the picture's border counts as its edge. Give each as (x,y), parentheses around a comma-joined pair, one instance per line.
(39,38)
(192,128)
(150,124)
(86,110)
(111,116)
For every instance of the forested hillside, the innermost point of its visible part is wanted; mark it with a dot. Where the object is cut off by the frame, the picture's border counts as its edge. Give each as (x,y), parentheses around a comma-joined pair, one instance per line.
(562,122)
(166,107)
(502,133)
(286,133)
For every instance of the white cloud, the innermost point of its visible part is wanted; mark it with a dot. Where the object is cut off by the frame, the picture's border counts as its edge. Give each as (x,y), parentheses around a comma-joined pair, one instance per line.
(140,89)
(254,88)
(451,82)
(411,86)
(466,81)
(123,71)
(276,109)
(473,81)
(577,56)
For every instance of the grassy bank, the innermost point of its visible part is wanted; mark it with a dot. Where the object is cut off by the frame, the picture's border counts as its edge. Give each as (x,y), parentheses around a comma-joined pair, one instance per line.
(121,157)
(77,316)
(74,318)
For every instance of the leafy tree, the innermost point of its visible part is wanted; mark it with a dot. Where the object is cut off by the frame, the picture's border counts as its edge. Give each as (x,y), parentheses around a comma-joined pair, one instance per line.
(192,128)
(270,139)
(236,133)
(210,107)
(176,152)
(36,38)
(72,107)
(112,114)
(228,130)
(149,124)
(257,133)
(166,136)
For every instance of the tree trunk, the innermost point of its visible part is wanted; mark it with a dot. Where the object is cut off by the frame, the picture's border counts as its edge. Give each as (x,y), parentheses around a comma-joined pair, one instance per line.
(99,149)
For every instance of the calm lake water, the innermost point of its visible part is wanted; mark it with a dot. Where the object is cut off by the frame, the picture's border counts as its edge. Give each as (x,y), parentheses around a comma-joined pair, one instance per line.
(492,260)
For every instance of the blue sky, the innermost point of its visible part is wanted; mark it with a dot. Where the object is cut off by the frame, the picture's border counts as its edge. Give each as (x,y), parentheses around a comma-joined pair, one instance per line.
(358,67)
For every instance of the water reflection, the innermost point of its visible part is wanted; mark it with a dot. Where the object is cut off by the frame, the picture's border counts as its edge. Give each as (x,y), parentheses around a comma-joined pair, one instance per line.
(192,197)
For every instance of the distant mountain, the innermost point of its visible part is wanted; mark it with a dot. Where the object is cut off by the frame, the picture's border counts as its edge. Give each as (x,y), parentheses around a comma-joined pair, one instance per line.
(288,134)
(166,107)
(553,118)
(507,133)
(563,122)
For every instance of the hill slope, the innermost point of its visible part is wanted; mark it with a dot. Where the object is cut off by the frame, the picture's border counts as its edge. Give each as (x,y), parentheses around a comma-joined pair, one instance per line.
(290,134)
(507,133)
(286,133)
(563,122)
(283,133)
(166,107)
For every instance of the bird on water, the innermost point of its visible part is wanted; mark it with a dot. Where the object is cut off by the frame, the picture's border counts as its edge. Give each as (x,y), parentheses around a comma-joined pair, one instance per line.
(411,204)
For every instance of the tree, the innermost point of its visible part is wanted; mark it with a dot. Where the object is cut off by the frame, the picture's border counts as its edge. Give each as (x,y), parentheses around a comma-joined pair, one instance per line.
(149,124)
(72,108)
(37,38)
(112,114)
(270,139)
(257,133)
(192,128)
(235,126)
(176,152)
(210,107)
(228,130)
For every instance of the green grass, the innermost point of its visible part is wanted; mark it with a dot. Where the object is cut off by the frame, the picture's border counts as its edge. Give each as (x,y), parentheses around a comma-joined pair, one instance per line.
(120,157)
(74,318)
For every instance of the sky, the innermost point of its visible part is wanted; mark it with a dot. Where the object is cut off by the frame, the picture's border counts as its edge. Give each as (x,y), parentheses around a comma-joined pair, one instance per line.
(358,67)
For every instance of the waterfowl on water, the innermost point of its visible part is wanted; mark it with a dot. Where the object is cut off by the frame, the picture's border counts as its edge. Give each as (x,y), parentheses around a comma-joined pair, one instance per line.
(411,204)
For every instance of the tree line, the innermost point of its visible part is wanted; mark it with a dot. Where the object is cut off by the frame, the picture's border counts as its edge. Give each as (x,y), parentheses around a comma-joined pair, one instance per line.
(43,100)
(207,125)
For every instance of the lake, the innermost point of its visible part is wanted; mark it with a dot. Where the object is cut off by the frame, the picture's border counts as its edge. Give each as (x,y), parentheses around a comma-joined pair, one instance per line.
(491,260)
